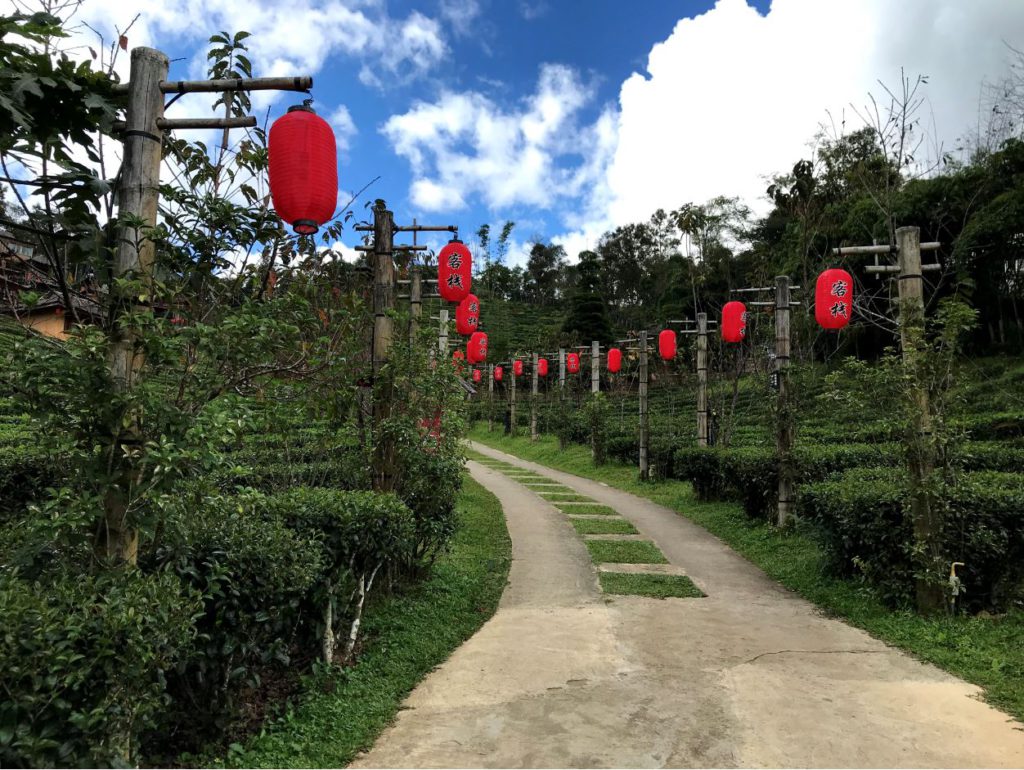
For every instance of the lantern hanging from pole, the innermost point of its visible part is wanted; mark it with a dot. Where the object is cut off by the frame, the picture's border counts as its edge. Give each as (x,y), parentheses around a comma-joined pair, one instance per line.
(476,349)
(454,271)
(476,375)
(303,169)
(499,373)
(667,345)
(517,368)
(542,367)
(614,360)
(833,299)
(734,321)
(572,363)
(467,315)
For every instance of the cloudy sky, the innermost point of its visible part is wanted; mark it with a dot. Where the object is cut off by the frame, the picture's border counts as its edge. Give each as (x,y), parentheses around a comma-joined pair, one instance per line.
(574,116)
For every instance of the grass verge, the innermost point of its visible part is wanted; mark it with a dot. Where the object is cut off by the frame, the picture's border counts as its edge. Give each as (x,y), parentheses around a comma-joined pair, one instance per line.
(656,586)
(985,651)
(589,508)
(564,497)
(625,552)
(609,526)
(405,637)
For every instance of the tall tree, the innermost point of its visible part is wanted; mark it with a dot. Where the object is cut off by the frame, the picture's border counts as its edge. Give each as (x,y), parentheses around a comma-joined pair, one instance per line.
(588,316)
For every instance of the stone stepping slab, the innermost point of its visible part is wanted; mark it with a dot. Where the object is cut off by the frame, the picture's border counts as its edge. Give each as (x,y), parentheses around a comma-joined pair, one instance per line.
(544,484)
(617,537)
(643,569)
(577,502)
(595,516)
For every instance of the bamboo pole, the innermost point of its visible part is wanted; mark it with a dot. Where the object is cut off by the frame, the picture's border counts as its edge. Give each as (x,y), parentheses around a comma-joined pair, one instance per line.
(415,304)
(490,397)
(702,379)
(133,256)
(921,458)
(383,335)
(784,424)
(644,471)
(512,403)
(533,402)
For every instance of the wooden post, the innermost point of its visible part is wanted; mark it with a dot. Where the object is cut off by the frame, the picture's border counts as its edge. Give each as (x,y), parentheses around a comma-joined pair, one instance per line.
(383,335)
(644,472)
(595,367)
(512,403)
(921,458)
(442,335)
(561,370)
(784,424)
(134,255)
(533,402)
(415,304)
(702,379)
(490,397)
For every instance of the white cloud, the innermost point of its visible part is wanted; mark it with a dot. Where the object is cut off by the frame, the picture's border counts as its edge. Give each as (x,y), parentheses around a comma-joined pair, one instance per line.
(287,38)
(732,96)
(467,145)
(461,15)
(431,196)
(344,127)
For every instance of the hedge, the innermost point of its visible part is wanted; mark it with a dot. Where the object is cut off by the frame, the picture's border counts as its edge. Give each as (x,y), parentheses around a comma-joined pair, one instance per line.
(862,520)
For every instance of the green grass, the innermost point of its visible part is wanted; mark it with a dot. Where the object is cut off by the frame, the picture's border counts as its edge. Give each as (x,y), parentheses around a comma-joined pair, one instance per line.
(986,651)
(564,497)
(656,586)
(609,526)
(405,637)
(595,508)
(625,552)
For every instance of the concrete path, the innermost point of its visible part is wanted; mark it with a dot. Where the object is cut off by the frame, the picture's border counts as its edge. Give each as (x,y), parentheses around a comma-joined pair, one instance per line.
(749,676)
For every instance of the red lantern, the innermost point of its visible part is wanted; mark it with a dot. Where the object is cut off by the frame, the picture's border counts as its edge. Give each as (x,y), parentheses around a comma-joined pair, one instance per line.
(303,169)
(734,321)
(667,344)
(499,372)
(476,375)
(542,367)
(833,299)
(614,360)
(476,349)
(467,315)
(454,271)
(572,363)
(517,368)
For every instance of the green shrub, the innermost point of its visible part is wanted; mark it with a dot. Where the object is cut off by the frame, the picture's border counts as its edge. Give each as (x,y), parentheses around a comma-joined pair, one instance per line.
(252,572)
(25,471)
(623,447)
(596,412)
(83,660)
(863,522)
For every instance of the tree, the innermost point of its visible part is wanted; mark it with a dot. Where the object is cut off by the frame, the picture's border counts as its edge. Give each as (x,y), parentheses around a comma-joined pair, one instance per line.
(543,270)
(588,316)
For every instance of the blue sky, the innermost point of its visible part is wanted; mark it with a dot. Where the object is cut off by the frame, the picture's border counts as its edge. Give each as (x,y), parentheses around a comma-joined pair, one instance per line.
(572,117)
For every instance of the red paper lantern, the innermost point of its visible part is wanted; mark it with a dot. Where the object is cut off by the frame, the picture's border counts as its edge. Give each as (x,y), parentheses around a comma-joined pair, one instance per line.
(467,315)
(517,368)
(667,344)
(572,363)
(454,271)
(833,299)
(476,375)
(476,349)
(614,360)
(499,372)
(734,321)
(303,169)
(542,367)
